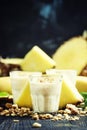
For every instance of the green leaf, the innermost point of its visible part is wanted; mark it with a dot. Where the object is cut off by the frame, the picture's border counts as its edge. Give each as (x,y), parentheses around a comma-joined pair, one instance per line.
(84,94)
(3,94)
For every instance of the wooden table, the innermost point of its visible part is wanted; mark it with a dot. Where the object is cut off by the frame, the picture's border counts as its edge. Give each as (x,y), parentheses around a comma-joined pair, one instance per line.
(25,123)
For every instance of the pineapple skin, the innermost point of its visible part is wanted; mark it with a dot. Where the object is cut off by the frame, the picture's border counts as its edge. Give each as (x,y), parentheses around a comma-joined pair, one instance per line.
(37,60)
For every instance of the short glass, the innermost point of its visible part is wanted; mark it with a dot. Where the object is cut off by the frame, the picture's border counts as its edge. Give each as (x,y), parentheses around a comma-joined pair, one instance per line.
(67,73)
(45,93)
(21,87)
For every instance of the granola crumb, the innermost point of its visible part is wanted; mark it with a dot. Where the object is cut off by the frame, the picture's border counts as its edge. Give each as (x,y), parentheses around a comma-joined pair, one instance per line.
(73,108)
(35,116)
(16,121)
(71,112)
(36,125)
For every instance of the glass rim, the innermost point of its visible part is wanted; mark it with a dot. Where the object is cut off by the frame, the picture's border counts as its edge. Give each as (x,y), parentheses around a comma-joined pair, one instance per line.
(23,73)
(60,70)
(45,79)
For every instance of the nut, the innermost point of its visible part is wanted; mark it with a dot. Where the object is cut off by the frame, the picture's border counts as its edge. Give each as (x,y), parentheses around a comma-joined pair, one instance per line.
(1,108)
(36,125)
(35,116)
(8,105)
(73,108)
(4,112)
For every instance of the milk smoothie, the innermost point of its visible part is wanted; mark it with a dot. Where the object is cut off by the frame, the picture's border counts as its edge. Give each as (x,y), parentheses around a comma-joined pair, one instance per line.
(70,74)
(21,87)
(45,93)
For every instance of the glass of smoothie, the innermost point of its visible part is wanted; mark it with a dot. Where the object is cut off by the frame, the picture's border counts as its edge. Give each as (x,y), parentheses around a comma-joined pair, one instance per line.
(67,73)
(21,87)
(45,92)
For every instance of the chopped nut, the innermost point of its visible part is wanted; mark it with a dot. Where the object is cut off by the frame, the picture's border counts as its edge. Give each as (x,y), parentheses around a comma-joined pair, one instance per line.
(55,118)
(8,105)
(35,116)
(45,116)
(80,109)
(81,105)
(49,116)
(36,125)
(16,121)
(4,112)
(73,108)
(74,118)
(7,114)
(61,111)
(1,108)
(82,113)
(66,114)
(13,114)
(67,117)
(59,115)
(67,111)
(25,114)
(14,106)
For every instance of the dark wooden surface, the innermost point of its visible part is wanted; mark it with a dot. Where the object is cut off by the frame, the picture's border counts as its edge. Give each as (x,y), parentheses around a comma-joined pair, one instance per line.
(25,123)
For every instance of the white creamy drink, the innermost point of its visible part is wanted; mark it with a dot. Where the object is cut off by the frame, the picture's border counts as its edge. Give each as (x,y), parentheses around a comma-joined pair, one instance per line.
(21,87)
(70,74)
(18,81)
(45,93)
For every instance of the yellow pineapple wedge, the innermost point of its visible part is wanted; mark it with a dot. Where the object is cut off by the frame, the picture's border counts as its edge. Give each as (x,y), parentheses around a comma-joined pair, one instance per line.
(69,94)
(81,83)
(24,98)
(37,60)
(5,85)
(11,60)
(72,54)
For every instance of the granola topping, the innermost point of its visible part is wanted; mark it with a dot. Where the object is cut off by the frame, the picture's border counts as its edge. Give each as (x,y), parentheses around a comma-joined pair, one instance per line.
(71,112)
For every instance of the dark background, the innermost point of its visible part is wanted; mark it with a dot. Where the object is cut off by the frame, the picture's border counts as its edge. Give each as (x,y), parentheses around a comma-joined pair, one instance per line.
(46,23)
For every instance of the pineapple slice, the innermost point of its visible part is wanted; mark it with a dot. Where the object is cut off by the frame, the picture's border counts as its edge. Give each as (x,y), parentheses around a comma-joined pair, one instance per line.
(11,60)
(37,60)
(5,85)
(81,83)
(72,55)
(69,93)
(24,98)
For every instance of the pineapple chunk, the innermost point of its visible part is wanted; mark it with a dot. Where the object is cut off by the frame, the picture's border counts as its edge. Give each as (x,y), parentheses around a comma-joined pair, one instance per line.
(11,60)
(5,85)
(37,60)
(81,83)
(72,55)
(69,93)
(24,98)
